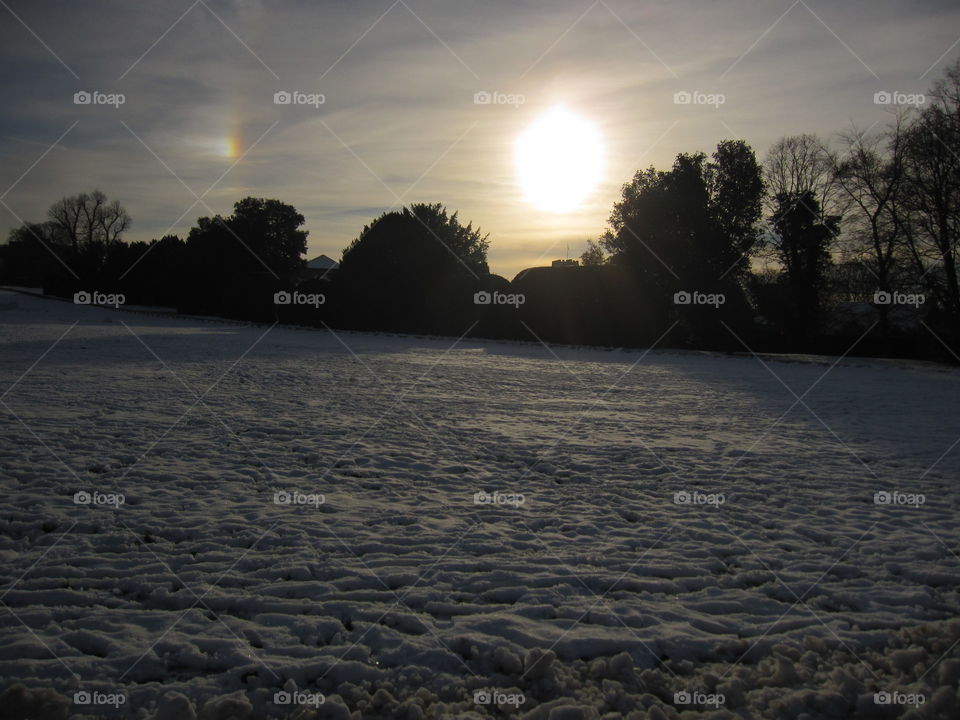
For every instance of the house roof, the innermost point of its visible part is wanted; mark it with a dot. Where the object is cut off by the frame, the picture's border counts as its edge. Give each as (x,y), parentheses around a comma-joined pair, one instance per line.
(322,262)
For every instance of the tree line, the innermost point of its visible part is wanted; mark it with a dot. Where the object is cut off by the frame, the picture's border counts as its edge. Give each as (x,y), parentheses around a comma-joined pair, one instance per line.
(833,246)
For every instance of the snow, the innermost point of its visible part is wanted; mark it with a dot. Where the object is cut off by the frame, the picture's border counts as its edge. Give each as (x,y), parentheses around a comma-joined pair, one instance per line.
(399,594)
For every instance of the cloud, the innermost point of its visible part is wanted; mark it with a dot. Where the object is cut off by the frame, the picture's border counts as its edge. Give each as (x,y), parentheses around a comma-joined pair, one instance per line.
(399,105)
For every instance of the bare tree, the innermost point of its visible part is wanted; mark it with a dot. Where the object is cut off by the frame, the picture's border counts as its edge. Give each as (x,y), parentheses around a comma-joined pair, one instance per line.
(932,169)
(89,222)
(799,164)
(872,176)
(800,169)
(870,173)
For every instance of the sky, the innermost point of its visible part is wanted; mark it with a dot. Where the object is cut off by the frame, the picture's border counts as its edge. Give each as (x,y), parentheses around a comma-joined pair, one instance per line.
(399,120)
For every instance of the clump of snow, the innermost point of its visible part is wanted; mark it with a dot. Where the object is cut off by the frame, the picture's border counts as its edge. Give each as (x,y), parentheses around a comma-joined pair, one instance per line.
(174,706)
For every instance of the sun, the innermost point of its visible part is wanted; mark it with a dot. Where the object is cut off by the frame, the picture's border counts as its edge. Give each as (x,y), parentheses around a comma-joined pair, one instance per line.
(559,160)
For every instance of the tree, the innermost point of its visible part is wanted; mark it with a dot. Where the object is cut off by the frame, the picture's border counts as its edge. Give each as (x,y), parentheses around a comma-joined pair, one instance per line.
(261,237)
(652,229)
(271,231)
(90,222)
(593,256)
(233,265)
(697,221)
(871,175)
(932,178)
(691,228)
(798,164)
(33,254)
(413,270)
(735,190)
(801,240)
(428,229)
(151,273)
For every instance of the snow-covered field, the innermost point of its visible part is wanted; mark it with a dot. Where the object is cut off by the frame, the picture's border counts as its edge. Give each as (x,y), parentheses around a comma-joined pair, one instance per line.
(300,518)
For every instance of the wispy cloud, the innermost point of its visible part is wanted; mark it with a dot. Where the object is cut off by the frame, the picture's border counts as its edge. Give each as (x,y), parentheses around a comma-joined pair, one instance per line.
(399,89)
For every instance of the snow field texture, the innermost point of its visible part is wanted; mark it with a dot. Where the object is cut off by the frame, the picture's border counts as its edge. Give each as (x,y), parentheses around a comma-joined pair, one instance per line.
(204,519)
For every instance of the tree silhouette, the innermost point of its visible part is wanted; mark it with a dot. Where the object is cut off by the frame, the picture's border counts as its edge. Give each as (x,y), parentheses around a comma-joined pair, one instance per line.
(151,273)
(797,164)
(871,175)
(90,222)
(593,256)
(735,190)
(801,239)
(696,223)
(234,265)
(413,270)
(33,254)
(932,176)
(691,228)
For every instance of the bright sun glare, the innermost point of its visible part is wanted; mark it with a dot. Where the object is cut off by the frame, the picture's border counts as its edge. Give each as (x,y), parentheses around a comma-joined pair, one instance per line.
(559,160)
